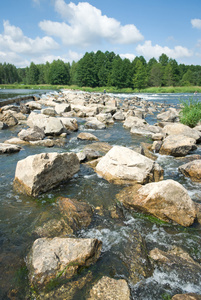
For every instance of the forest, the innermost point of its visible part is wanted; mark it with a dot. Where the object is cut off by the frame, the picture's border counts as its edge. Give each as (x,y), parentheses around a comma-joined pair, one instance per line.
(98,69)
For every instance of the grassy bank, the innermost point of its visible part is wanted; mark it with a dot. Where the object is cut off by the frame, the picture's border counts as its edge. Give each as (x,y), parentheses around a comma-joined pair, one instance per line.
(155,90)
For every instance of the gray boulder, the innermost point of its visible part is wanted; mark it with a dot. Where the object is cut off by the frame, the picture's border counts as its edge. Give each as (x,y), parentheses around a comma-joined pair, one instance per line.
(8,148)
(32,134)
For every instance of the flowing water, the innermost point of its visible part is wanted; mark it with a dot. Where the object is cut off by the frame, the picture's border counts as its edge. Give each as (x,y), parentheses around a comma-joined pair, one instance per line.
(20,215)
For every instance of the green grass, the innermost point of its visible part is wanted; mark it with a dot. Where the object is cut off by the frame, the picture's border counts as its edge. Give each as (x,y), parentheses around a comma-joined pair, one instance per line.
(190,113)
(155,90)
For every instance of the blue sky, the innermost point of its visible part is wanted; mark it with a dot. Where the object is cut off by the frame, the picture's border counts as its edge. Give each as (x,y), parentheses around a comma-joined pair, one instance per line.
(44,30)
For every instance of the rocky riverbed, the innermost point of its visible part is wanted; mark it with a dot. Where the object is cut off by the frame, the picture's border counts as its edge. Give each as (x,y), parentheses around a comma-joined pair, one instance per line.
(98,202)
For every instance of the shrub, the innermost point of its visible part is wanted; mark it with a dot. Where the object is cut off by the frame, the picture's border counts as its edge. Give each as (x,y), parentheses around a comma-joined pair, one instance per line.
(190,113)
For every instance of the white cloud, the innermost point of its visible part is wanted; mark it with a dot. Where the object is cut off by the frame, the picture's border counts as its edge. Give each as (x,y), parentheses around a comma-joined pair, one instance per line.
(128,55)
(149,51)
(13,58)
(196,23)
(85,25)
(14,40)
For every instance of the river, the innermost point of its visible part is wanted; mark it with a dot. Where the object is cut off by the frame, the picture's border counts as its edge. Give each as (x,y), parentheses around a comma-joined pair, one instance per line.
(20,214)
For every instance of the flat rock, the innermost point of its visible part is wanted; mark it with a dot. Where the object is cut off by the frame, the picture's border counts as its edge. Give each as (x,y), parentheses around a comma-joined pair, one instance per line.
(95,124)
(60,258)
(16,141)
(192,169)
(49,111)
(167,200)
(122,165)
(8,148)
(110,289)
(41,172)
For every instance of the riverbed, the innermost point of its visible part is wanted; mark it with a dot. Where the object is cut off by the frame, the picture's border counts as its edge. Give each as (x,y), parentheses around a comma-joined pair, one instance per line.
(20,214)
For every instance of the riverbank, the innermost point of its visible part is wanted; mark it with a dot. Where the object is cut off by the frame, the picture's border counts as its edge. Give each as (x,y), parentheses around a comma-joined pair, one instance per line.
(157,90)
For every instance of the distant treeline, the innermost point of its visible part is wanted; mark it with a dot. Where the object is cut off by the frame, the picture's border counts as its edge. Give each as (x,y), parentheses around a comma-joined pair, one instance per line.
(105,69)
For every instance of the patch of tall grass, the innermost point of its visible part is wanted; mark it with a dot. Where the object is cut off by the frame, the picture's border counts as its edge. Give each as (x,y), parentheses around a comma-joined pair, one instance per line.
(190,113)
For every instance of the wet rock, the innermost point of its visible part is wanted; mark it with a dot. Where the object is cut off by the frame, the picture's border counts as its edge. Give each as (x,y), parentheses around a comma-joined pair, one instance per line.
(171,115)
(60,258)
(101,147)
(192,170)
(69,123)
(110,289)
(177,145)
(8,148)
(156,146)
(32,134)
(33,105)
(122,165)
(8,118)
(53,228)
(181,129)
(135,256)
(190,296)
(146,150)
(87,136)
(95,124)
(178,261)
(49,111)
(41,172)
(77,214)
(167,200)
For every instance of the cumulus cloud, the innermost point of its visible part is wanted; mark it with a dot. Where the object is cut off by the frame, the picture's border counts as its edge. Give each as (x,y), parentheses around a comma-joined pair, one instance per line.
(128,55)
(14,40)
(149,51)
(196,23)
(14,59)
(85,25)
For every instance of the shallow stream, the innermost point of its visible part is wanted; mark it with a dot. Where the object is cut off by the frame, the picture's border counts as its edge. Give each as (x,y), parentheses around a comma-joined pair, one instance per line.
(19,216)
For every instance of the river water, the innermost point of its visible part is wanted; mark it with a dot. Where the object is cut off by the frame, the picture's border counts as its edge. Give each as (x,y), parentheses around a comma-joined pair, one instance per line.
(20,215)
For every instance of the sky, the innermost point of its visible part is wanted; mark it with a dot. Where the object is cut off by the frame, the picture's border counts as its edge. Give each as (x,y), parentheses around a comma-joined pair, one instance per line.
(45,30)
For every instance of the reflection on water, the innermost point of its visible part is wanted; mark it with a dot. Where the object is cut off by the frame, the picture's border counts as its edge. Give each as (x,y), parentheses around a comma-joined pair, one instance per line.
(20,214)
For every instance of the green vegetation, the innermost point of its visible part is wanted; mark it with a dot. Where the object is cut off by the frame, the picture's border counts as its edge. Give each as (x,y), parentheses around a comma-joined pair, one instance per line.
(108,71)
(190,112)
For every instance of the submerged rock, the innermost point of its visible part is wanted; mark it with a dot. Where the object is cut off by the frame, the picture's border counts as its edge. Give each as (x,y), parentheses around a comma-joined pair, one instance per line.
(167,200)
(78,214)
(122,165)
(60,258)
(41,172)
(190,296)
(110,289)
(179,261)
(192,170)
(53,228)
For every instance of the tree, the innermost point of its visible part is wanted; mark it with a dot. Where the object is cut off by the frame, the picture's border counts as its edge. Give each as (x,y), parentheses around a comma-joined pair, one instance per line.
(59,72)
(86,73)
(33,74)
(140,76)
(163,60)
(156,75)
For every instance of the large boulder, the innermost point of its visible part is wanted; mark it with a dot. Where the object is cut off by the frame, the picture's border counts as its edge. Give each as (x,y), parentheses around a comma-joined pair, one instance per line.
(192,169)
(78,214)
(41,172)
(60,258)
(34,105)
(181,129)
(167,200)
(8,148)
(122,165)
(134,121)
(177,145)
(31,134)
(111,289)
(62,108)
